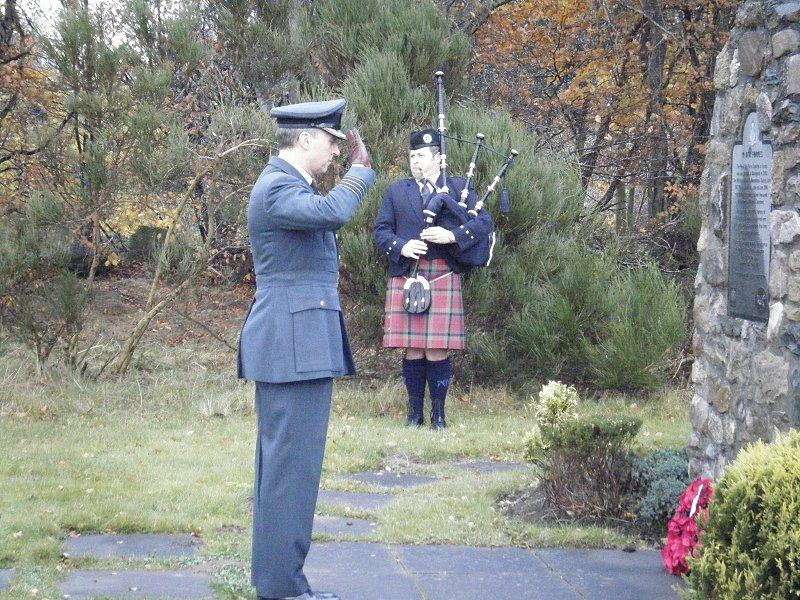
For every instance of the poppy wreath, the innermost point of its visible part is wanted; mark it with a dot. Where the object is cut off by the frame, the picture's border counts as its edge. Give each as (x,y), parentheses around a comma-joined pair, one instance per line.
(683,533)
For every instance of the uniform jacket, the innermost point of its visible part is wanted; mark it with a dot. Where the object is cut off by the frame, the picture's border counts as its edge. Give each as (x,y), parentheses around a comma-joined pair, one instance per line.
(295,330)
(400,219)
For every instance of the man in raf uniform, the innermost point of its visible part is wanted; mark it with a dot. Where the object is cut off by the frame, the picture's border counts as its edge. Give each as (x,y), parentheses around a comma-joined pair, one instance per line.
(293,342)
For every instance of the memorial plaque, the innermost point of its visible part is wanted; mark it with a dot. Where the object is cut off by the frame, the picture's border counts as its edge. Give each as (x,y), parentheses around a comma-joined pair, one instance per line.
(749,229)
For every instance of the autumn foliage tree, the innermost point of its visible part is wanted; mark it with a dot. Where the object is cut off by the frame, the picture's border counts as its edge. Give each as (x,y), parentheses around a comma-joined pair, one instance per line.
(41,302)
(623,85)
(164,120)
(148,119)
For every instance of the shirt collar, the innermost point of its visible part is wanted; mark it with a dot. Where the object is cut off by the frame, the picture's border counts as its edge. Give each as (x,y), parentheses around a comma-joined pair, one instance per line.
(305,174)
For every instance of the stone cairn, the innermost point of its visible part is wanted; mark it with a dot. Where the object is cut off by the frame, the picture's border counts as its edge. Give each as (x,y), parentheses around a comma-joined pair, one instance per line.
(747,360)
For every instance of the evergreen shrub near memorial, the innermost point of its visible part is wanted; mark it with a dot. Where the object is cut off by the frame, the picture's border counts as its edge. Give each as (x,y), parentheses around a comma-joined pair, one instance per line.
(658,479)
(584,463)
(751,545)
(586,470)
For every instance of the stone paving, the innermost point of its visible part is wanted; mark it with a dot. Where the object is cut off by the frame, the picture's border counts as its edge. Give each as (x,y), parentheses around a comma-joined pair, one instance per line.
(132,545)
(359,570)
(137,584)
(5,578)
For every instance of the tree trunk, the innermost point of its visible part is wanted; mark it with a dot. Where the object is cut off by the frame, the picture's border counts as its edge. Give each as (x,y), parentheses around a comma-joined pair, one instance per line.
(655,48)
(620,209)
(630,213)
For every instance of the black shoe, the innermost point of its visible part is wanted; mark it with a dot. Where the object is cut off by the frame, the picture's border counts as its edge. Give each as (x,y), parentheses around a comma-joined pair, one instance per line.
(309,595)
(415,421)
(437,415)
(415,412)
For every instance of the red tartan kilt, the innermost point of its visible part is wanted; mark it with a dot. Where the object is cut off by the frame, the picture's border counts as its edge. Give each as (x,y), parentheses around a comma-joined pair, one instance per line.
(442,326)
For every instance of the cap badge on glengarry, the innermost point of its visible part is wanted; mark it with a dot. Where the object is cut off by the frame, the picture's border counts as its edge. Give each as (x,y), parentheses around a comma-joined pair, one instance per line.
(427,138)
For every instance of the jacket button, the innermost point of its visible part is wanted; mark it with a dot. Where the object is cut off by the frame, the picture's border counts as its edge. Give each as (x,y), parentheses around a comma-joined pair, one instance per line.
(322,302)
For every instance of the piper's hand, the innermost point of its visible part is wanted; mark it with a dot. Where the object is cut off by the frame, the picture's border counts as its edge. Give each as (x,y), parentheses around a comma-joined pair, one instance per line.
(438,235)
(414,249)
(357,149)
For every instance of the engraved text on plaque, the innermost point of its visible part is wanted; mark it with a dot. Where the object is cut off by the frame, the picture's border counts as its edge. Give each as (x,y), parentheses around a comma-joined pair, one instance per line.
(749,234)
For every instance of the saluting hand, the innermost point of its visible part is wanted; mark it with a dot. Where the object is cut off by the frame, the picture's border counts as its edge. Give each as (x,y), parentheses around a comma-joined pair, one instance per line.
(414,249)
(356,149)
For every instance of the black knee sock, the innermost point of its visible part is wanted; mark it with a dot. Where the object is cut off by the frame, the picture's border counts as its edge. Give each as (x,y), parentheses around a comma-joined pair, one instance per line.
(438,376)
(414,378)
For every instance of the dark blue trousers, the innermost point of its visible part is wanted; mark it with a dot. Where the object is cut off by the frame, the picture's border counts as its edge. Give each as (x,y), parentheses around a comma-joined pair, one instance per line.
(292,429)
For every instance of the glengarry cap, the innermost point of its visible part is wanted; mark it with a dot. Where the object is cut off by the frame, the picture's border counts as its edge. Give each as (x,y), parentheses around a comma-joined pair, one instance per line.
(424,139)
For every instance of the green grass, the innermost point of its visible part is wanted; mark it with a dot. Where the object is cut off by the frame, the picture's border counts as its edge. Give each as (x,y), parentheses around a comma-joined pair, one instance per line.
(169,449)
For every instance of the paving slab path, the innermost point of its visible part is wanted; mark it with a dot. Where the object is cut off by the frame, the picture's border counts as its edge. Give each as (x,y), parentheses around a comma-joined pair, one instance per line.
(5,578)
(133,545)
(357,569)
(81,584)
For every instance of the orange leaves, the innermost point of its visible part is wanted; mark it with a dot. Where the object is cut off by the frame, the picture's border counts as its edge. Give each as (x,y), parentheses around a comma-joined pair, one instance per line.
(580,70)
(129,213)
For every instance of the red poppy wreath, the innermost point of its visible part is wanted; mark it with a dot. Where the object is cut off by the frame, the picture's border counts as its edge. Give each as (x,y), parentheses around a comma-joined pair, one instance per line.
(683,533)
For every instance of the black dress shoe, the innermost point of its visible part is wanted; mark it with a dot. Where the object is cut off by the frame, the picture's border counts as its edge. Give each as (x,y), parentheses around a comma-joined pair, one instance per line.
(437,415)
(309,595)
(413,421)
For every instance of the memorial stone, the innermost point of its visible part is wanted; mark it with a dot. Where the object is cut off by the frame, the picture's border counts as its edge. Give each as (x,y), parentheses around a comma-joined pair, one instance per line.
(746,373)
(749,236)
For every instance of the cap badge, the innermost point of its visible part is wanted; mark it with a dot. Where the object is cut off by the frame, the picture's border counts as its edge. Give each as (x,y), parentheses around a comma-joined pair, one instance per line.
(427,138)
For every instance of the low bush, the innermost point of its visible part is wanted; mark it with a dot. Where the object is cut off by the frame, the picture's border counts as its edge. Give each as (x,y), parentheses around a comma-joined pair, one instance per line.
(584,463)
(587,467)
(41,299)
(751,545)
(553,407)
(657,481)
(646,321)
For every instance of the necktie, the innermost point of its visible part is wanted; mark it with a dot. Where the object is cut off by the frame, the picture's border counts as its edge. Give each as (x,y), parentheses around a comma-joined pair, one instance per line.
(426,193)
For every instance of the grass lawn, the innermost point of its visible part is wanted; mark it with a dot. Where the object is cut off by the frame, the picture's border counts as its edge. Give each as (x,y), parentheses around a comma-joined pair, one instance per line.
(169,449)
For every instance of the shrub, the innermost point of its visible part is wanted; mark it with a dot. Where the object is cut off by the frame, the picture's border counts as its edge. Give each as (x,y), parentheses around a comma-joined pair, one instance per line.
(418,32)
(556,405)
(553,407)
(657,481)
(564,316)
(587,466)
(751,545)
(379,91)
(584,463)
(646,321)
(41,300)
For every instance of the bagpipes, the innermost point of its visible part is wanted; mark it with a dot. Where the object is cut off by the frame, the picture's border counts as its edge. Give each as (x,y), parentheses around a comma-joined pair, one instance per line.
(444,210)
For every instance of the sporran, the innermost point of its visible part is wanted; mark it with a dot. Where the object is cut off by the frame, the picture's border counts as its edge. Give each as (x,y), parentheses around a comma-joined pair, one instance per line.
(416,293)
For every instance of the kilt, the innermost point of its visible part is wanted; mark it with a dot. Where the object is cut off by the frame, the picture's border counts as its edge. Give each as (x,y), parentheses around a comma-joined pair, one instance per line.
(441,327)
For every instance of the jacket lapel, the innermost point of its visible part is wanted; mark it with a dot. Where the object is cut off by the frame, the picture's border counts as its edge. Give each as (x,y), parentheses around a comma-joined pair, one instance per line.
(414,201)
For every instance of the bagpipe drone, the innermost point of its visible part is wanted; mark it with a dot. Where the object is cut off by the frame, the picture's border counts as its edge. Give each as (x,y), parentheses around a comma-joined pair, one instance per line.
(446,211)
(449,212)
